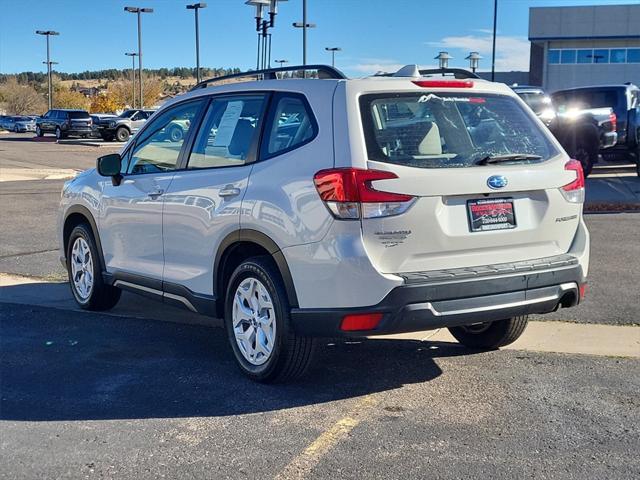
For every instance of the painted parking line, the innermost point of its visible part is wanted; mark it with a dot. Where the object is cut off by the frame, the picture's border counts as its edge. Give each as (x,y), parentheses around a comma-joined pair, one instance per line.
(308,459)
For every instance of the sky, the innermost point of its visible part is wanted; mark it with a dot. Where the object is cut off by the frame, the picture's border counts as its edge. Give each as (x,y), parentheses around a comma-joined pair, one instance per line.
(374,34)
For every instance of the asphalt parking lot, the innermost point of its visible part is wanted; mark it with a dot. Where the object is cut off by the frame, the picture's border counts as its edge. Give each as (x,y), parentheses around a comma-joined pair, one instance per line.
(120,396)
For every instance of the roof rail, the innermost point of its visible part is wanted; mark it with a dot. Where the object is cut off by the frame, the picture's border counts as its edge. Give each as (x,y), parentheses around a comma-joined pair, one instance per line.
(412,70)
(324,71)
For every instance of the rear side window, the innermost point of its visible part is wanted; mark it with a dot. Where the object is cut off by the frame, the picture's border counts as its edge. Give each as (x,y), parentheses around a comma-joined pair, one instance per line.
(449,130)
(290,125)
(586,99)
(227,133)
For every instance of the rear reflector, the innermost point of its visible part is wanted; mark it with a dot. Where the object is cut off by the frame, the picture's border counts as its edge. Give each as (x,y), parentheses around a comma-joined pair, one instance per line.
(574,192)
(583,291)
(361,321)
(444,83)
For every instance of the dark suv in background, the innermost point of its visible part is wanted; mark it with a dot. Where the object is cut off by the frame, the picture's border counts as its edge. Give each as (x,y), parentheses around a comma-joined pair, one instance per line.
(625,102)
(124,125)
(64,123)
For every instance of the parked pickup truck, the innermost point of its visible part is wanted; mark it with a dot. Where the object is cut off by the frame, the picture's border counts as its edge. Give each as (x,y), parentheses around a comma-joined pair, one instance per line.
(583,132)
(124,125)
(625,102)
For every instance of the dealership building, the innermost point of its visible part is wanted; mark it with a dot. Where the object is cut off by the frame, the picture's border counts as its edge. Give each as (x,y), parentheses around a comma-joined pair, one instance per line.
(578,46)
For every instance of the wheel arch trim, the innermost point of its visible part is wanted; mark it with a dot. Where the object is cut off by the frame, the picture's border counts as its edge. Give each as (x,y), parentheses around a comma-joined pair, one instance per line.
(84,211)
(264,241)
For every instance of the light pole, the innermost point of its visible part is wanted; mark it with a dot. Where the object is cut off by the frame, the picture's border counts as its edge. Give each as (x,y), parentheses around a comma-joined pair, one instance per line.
(133,56)
(261,28)
(48,33)
(281,62)
(195,7)
(474,60)
(138,11)
(333,51)
(493,50)
(443,59)
(304,25)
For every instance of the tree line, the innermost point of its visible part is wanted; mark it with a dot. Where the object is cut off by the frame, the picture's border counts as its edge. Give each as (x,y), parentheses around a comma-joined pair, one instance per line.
(114,74)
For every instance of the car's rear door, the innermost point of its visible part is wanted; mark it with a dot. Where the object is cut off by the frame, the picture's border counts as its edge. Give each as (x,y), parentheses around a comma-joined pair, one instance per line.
(466,212)
(202,204)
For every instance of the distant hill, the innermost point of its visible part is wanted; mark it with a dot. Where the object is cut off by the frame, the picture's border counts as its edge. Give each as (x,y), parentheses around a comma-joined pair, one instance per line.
(113,74)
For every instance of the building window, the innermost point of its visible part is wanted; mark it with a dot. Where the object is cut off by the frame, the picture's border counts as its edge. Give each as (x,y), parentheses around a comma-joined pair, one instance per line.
(567,56)
(554,57)
(585,56)
(601,56)
(618,55)
(633,55)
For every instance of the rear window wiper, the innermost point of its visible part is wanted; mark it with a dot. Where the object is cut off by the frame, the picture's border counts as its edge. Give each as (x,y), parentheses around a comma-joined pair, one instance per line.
(511,157)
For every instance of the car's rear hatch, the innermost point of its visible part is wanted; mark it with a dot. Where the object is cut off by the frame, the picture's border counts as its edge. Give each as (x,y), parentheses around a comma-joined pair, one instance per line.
(462,213)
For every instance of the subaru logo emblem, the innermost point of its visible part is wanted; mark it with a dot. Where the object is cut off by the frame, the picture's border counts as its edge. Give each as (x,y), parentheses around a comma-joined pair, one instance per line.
(497,181)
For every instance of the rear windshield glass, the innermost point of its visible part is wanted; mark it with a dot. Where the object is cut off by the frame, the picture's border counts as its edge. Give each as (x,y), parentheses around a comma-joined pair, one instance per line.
(586,99)
(448,130)
(78,115)
(537,101)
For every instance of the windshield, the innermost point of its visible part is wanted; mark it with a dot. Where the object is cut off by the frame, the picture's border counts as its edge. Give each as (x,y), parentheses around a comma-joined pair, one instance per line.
(450,129)
(127,113)
(537,101)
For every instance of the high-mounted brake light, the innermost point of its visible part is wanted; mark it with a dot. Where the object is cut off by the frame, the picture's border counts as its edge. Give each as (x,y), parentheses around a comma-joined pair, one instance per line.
(444,83)
(574,191)
(349,194)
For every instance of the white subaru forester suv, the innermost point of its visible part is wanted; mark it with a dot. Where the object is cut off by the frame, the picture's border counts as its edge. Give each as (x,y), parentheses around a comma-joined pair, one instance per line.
(302,206)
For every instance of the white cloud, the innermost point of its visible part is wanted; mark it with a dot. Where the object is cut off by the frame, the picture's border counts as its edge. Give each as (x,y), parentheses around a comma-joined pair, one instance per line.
(512,53)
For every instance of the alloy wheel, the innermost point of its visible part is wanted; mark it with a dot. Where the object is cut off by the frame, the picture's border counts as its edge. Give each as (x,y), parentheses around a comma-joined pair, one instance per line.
(254,322)
(82,268)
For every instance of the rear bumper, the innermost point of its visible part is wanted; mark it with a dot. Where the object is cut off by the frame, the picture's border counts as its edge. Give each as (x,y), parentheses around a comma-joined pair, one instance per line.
(433,303)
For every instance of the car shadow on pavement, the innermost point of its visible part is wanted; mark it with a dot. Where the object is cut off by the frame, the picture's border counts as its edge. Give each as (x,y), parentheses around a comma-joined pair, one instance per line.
(68,365)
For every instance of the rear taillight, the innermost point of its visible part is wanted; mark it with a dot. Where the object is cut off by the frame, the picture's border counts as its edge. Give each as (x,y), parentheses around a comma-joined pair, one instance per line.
(574,192)
(614,122)
(444,83)
(349,194)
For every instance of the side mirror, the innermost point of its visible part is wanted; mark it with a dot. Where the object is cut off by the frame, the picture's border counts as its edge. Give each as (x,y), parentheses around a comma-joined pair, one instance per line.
(109,166)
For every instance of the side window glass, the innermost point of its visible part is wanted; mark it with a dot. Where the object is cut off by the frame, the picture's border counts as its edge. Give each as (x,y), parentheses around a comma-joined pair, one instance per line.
(227,132)
(158,147)
(290,125)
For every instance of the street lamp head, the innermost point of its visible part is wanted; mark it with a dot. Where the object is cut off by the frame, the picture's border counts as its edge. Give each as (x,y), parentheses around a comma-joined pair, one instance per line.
(443,58)
(195,6)
(47,32)
(131,54)
(131,9)
(146,10)
(474,60)
(333,49)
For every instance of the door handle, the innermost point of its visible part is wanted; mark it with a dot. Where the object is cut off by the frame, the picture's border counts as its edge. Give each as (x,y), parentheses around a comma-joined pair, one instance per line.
(229,191)
(155,194)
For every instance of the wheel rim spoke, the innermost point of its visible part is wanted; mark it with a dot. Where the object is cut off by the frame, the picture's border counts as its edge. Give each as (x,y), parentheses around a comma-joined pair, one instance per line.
(253,321)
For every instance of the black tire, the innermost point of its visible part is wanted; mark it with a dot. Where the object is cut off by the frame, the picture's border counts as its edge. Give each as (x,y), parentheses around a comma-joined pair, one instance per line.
(122,134)
(291,354)
(176,134)
(587,155)
(491,335)
(39,132)
(102,296)
(58,133)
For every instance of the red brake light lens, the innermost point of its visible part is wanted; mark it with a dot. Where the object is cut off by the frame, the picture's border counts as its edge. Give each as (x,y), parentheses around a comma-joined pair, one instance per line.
(354,185)
(614,122)
(361,321)
(578,183)
(444,83)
